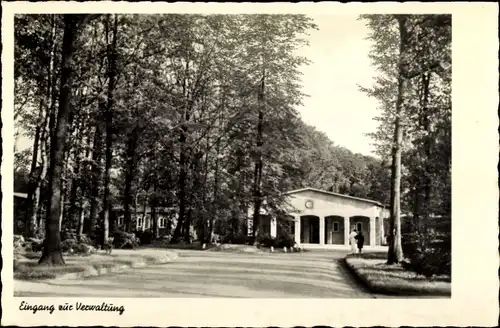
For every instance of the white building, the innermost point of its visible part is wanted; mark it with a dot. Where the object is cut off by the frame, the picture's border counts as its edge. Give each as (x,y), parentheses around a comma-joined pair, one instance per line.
(322,219)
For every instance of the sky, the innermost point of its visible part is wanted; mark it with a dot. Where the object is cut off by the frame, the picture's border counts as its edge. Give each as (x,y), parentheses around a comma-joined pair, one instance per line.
(339,54)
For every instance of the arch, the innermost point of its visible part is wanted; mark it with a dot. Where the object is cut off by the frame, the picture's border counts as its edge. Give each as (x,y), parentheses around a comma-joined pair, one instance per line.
(309,229)
(334,230)
(362,222)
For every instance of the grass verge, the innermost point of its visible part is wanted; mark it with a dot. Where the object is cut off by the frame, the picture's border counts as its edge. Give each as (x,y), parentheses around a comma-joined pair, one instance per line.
(28,268)
(380,278)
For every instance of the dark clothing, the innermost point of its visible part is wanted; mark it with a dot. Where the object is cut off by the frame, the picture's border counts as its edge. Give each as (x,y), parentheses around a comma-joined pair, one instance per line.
(360,239)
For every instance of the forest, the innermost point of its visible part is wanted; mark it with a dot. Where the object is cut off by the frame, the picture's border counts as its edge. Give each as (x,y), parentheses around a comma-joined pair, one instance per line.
(199,112)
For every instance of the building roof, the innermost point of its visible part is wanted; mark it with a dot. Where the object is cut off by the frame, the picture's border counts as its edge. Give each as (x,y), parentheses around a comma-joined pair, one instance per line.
(334,194)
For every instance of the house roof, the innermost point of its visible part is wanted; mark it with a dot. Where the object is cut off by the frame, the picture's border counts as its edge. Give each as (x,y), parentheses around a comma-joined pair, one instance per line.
(334,194)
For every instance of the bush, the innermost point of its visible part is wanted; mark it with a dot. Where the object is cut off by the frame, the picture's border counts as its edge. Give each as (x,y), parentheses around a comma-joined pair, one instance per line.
(428,253)
(18,242)
(77,247)
(266,240)
(34,244)
(125,240)
(285,240)
(239,239)
(68,245)
(87,240)
(145,237)
(68,234)
(83,249)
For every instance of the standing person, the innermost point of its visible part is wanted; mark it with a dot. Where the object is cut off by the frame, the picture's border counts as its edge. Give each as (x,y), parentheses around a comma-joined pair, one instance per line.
(360,240)
(352,240)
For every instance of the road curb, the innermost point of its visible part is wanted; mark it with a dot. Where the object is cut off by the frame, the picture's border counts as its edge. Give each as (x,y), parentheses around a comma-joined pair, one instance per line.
(141,262)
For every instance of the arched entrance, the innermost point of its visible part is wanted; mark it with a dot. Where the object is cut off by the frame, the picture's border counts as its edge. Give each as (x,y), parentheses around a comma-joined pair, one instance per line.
(309,228)
(334,230)
(362,223)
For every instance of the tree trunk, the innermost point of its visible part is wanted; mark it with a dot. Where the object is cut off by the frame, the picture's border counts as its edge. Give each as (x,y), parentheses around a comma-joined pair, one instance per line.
(215,206)
(183,167)
(42,141)
(427,146)
(81,222)
(204,218)
(136,204)
(51,254)
(154,220)
(75,201)
(109,128)
(259,162)
(395,254)
(129,177)
(144,212)
(96,175)
(61,215)
(30,219)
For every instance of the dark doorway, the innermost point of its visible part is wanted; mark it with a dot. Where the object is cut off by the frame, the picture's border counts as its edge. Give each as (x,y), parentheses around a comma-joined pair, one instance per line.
(314,229)
(309,229)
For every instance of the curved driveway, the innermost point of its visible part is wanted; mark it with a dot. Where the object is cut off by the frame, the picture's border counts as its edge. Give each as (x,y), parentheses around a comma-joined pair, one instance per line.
(315,274)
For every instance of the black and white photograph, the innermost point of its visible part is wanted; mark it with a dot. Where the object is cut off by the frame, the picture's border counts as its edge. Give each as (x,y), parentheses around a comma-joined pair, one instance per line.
(273,155)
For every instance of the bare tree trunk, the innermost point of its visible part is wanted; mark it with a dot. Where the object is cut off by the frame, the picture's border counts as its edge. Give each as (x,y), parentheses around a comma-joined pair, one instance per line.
(81,221)
(129,176)
(62,206)
(154,218)
(259,162)
(215,206)
(183,167)
(43,132)
(30,219)
(395,254)
(51,254)
(427,146)
(109,127)
(96,175)
(144,213)
(136,204)
(204,224)
(75,202)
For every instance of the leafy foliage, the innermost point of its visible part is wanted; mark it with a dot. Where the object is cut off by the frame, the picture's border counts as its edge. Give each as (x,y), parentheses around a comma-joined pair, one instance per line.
(175,111)
(413,56)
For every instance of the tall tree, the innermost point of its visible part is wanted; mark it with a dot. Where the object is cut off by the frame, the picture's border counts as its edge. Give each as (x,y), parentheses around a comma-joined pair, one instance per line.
(51,254)
(108,115)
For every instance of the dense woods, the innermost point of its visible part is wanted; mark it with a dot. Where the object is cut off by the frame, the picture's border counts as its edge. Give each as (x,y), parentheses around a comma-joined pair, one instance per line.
(199,113)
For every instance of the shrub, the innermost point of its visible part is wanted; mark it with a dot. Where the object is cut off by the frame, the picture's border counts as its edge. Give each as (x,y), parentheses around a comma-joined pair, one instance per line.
(68,245)
(125,240)
(34,244)
(19,243)
(68,234)
(240,239)
(266,240)
(83,249)
(428,253)
(145,237)
(87,240)
(285,240)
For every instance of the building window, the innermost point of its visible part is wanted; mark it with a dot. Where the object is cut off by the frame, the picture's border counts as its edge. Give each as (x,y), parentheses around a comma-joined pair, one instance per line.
(120,221)
(162,223)
(139,222)
(335,227)
(359,226)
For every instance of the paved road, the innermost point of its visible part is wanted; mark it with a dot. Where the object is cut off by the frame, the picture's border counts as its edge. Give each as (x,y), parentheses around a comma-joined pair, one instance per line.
(316,274)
